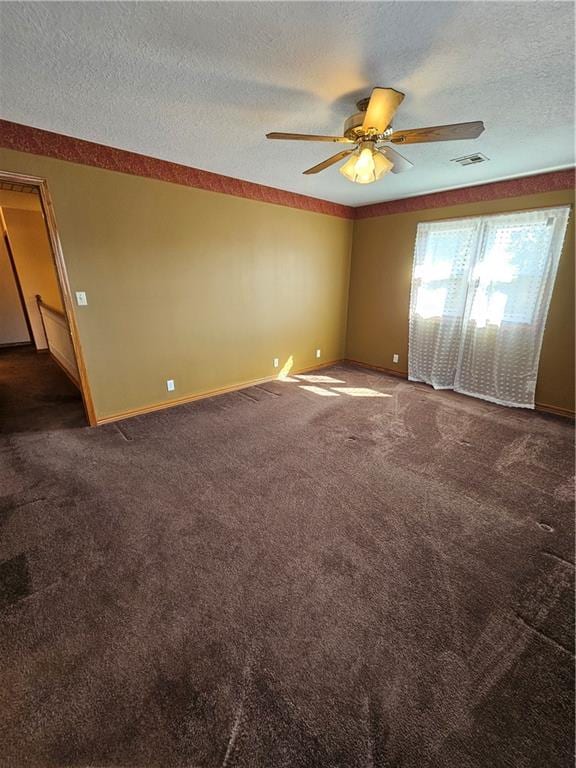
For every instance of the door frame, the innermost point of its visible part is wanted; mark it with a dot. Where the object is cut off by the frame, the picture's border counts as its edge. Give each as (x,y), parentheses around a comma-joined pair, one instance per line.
(62,279)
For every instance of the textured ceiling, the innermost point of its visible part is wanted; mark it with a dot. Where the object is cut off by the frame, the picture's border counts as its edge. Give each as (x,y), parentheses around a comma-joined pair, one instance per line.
(201,83)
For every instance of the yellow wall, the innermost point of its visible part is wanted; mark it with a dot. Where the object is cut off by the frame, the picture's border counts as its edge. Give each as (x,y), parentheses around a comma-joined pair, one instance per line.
(380,279)
(13,328)
(34,263)
(207,289)
(196,286)
(27,201)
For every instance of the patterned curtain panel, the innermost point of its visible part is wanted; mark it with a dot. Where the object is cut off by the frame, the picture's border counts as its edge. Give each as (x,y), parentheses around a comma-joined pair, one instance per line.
(442,264)
(481,289)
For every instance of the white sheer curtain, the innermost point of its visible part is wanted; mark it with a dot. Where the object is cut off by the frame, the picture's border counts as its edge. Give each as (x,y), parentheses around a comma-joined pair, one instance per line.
(481,289)
(442,262)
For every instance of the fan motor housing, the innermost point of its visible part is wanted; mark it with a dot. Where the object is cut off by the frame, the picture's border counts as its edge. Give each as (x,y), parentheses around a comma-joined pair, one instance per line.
(353,126)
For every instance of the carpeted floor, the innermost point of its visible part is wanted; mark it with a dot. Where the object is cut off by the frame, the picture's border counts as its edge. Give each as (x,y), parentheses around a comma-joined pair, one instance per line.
(362,574)
(35,394)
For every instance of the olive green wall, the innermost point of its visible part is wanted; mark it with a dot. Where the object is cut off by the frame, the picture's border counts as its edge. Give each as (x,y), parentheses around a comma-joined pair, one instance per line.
(190,285)
(380,292)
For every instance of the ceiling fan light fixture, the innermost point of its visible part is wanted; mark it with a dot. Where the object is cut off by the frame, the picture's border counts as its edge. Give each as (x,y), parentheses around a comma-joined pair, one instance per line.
(366,165)
(382,164)
(372,125)
(349,167)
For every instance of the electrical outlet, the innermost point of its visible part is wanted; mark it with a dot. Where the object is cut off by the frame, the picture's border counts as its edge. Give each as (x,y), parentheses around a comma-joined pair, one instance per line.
(395,358)
(170,385)
(81,299)
(276,362)
(317,353)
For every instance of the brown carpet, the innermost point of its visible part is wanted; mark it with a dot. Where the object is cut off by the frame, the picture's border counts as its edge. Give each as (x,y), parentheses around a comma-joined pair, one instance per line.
(284,578)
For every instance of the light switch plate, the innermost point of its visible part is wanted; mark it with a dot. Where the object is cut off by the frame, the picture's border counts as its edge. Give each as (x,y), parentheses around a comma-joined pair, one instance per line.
(81,299)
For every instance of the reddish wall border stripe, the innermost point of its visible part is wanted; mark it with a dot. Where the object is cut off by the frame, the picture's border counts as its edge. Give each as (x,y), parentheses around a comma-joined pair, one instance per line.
(527,185)
(36,141)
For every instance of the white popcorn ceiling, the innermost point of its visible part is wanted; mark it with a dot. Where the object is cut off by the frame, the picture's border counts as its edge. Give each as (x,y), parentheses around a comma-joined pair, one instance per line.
(202,83)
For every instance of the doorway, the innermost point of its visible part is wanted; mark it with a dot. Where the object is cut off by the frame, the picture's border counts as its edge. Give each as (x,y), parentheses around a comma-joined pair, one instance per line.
(36,313)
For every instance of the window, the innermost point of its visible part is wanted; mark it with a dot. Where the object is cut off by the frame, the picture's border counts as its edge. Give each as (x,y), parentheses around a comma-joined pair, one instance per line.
(481,289)
(509,270)
(441,272)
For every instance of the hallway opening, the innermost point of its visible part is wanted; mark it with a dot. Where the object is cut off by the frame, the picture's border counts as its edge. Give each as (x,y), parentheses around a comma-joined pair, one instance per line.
(40,368)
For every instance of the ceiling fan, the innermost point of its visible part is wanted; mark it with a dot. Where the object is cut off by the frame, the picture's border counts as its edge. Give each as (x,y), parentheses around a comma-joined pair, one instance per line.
(371,126)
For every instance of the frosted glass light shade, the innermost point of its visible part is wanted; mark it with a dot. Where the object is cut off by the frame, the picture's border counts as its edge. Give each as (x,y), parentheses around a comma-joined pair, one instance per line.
(365,166)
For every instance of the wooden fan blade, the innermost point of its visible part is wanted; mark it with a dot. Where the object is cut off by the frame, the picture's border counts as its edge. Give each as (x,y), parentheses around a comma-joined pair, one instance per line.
(329,162)
(307,137)
(438,133)
(400,162)
(381,108)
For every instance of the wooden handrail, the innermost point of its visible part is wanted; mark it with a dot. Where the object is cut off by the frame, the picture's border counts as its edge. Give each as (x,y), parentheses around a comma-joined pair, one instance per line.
(52,319)
(43,305)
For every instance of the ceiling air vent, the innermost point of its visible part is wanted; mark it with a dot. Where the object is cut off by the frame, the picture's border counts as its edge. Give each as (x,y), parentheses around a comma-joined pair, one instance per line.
(474,159)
